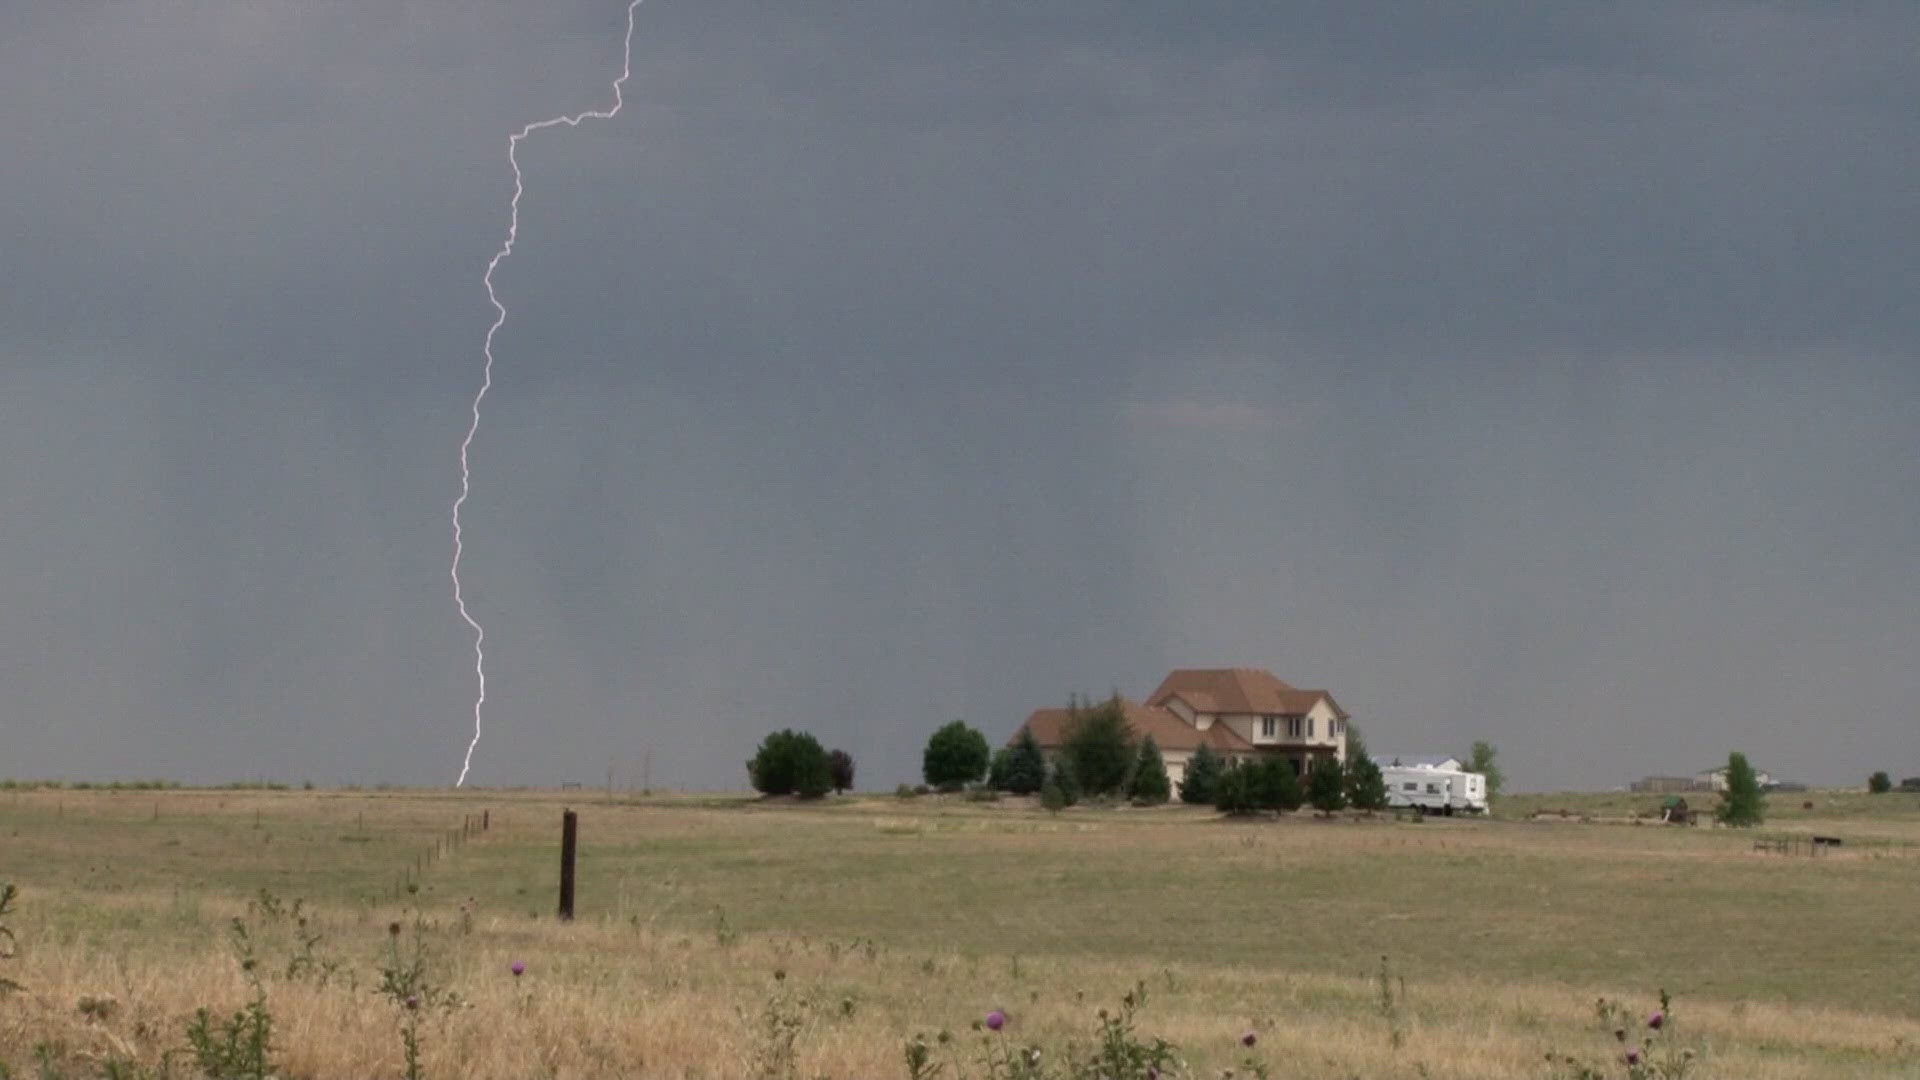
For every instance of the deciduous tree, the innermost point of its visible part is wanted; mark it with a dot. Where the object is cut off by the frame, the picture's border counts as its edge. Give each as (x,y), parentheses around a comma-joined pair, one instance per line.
(840,767)
(1481,760)
(956,755)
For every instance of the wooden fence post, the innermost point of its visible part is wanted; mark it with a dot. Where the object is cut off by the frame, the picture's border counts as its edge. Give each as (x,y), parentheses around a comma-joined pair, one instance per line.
(569,836)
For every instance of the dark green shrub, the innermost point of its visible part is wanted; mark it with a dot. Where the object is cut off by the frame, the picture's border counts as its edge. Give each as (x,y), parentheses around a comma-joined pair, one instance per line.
(789,761)
(1880,783)
(1149,784)
(956,755)
(1203,772)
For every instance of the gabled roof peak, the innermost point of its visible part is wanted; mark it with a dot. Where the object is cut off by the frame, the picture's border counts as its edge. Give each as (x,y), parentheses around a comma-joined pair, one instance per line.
(1238,690)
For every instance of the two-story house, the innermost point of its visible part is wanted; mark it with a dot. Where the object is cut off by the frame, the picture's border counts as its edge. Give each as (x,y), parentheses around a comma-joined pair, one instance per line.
(1239,712)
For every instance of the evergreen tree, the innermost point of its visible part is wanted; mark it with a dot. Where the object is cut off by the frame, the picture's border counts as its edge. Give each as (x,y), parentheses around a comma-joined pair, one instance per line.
(1741,803)
(1365,788)
(1879,783)
(1326,785)
(1233,789)
(1150,783)
(1099,747)
(997,769)
(1275,784)
(1026,765)
(1203,772)
(956,755)
(1061,785)
(1051,797)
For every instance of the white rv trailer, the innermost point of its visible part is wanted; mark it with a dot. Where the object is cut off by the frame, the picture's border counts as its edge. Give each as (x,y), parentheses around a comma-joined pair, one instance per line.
(1435,788)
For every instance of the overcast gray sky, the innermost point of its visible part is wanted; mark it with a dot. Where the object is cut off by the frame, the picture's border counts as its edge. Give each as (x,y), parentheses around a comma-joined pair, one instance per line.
(1547,374)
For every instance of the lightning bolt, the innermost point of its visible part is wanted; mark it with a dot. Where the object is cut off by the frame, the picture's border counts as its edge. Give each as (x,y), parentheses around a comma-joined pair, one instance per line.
(486,381)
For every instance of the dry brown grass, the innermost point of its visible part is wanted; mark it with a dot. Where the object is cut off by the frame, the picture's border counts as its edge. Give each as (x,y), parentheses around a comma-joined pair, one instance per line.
(890,918)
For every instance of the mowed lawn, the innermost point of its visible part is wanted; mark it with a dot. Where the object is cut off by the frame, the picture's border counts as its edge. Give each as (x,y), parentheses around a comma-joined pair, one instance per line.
(1506,928)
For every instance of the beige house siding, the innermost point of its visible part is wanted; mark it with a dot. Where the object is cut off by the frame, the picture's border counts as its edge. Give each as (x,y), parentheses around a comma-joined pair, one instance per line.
(1176,767)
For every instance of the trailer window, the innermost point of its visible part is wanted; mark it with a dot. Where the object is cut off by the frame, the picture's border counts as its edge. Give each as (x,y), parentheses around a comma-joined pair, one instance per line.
(1433,789)
(1409,786)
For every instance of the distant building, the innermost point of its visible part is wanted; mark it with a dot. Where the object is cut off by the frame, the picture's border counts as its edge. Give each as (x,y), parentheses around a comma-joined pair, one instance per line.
(1710,780)
(1716,779)
(1239,712)
(1669,785)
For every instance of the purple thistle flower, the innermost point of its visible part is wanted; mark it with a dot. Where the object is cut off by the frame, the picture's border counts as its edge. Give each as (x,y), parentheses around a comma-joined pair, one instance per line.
(1633,1057)
(413,1001)
(996,1020)
(1249,1039)
(518,969)
(1656,1020)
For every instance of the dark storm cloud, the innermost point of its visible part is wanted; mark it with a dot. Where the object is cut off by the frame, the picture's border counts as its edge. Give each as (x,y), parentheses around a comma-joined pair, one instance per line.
(1541,374)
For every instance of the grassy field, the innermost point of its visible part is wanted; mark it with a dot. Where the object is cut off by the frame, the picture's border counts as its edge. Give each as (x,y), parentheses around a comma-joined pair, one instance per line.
(724,938)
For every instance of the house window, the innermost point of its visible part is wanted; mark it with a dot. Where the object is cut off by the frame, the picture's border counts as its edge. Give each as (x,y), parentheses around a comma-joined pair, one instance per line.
(1269,726)
(1309,727)
(1293,727)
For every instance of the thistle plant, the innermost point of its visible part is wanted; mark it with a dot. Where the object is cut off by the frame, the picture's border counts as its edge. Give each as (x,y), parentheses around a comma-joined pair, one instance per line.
(1118,1052)
(241,1046)
(405,980)
(9,945)
(1644,1050)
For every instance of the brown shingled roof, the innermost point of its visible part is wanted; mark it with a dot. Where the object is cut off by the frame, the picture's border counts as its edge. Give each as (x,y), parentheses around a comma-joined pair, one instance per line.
(1238,690)
(1049,727)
